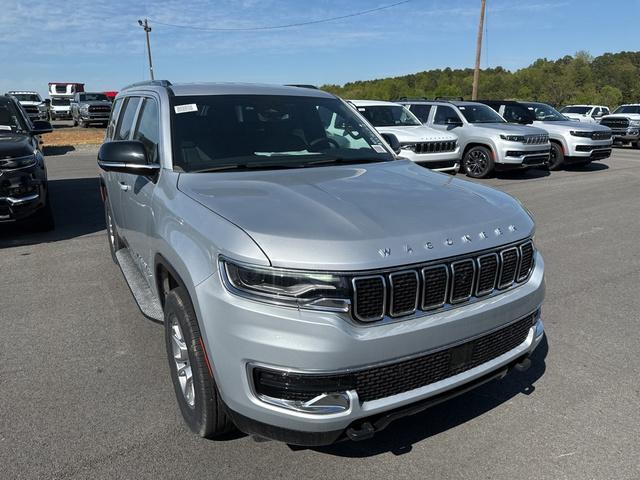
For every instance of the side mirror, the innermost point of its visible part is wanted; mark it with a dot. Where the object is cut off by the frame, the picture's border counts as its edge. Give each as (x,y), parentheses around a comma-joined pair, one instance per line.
(126,156)
(40,127)
(393,142)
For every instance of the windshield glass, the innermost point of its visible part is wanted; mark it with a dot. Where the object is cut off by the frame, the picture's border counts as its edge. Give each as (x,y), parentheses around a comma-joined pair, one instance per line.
(480,114)
(60,101)
(27,97)
(389,116)
(580,110)
(545,113)
(628,109)
(11,119)
(92,97)
(268,131)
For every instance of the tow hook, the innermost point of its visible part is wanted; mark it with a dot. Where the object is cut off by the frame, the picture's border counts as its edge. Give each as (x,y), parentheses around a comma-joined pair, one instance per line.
(523,365)
(364,432)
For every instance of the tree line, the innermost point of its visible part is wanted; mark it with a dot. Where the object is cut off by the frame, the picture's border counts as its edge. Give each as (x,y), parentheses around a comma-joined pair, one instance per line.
(610,79)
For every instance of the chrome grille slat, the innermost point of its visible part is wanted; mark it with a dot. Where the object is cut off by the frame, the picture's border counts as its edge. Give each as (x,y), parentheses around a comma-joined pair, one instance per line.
(404,288)
(402,292)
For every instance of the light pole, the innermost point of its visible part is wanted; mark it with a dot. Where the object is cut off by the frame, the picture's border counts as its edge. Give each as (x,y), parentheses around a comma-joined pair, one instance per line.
(147,29)
(476,72)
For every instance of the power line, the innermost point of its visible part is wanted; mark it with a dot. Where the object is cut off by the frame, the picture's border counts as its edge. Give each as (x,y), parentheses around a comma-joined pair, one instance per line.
(289,25)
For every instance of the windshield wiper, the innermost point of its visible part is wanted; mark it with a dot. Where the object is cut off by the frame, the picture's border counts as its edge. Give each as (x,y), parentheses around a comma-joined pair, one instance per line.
(342,160)
(248,166)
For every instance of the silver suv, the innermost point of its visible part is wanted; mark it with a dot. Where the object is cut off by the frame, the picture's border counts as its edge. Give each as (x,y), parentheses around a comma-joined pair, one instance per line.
(310,291)
(487,141)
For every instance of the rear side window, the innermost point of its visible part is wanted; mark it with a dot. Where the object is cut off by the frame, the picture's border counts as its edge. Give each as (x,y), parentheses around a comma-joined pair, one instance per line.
(148,131)
(114,118)
(125,124)
(421,111)
(443,113)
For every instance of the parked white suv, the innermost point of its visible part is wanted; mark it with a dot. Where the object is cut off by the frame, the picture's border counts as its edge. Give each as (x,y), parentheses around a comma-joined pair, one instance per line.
(585,113)
(421,144)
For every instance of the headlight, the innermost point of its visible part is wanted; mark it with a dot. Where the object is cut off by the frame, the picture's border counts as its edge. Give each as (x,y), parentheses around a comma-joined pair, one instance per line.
(42,107)
(311,290)
(634,123)
(84,108)
(408,146)
(20,162)
(513,138)
(580,134)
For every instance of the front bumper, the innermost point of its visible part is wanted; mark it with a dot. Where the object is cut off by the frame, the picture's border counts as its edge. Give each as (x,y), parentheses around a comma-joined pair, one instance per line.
(94,117)
(585,148)
(15,207)
(626,135)
(241,333)
(519,155)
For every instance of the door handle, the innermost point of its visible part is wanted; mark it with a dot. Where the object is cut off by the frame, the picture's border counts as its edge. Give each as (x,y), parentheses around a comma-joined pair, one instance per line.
(124,187)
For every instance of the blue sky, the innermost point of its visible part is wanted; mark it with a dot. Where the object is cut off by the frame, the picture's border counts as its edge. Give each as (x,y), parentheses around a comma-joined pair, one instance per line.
(101,44)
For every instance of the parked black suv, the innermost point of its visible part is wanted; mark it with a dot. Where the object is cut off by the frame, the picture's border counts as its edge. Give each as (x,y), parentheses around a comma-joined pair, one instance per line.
(23,175)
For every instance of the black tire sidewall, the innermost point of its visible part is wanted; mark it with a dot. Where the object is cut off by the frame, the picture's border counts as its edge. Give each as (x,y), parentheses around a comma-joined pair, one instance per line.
(117,244)
(207,417)
(559,157)
(490,163)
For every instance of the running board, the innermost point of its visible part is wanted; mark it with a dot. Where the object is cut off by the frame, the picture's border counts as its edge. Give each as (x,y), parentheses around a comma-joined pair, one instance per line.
(145,298)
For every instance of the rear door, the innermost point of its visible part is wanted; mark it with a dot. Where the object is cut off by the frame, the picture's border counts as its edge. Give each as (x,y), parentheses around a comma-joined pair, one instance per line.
(138,196)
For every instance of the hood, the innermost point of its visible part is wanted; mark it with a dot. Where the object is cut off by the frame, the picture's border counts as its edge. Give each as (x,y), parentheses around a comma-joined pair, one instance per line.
(13,145)
(623,116)
(564,126)
(418,133)
(361,216)
(514,128)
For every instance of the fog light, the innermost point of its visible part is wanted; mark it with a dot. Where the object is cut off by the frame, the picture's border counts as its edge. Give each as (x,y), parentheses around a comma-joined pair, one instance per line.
(307,393)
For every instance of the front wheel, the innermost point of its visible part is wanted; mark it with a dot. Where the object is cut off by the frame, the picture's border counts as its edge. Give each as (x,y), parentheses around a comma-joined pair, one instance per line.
(478,162)
(113,238)
(556,157)
(195,389)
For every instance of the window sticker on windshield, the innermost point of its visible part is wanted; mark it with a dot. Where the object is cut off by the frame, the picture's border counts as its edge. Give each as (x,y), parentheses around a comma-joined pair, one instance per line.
(5,127)
(379,148)
(189,107)
(361,109)
(462,108)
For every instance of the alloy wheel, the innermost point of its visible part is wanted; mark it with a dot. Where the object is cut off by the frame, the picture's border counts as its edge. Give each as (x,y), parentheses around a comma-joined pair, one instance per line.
(476,163)
(182,363)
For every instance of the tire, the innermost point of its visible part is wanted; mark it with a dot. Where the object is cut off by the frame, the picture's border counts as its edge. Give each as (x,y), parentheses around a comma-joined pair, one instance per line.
(42,220)
(478,162)
(198,397)
(636,145)
(83,124)
(75,122)
(115,243)
(556,157)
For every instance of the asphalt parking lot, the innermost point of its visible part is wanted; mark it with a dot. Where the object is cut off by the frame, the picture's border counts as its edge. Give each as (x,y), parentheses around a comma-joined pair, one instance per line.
(85,389)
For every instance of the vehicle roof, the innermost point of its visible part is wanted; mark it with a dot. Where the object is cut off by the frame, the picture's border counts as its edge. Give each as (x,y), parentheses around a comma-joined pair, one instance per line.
(371,103)
(583,105)
(229,88)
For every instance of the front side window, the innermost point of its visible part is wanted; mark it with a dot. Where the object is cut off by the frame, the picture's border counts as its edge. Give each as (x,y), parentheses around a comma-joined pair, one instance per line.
(389,116)
(421,111)
(11,118)
(223,132)
(545,113)
(628,109)
(148,130)
(111,127)
(445,115)
(125,124)
(480,114)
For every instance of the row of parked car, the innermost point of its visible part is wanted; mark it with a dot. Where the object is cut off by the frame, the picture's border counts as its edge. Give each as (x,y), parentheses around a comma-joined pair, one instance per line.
(487,135)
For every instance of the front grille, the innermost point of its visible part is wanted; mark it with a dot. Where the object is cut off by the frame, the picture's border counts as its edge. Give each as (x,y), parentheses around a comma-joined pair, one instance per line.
(381,382)
(436,147)
(449,282)
(536,159)
(615,122)
(97,108)
(537,139)
(370,301)
(601,135)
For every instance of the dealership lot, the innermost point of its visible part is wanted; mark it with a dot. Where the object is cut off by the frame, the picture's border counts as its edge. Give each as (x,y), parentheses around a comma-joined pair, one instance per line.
(85,389)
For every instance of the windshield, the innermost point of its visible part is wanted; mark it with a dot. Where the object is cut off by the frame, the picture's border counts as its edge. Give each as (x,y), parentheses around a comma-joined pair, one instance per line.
(628,109)
(480,114)
(93,97)
(11,119)
(26,97)
(580,110)
(268,131)
(389,116)
(545,113)
(60,101)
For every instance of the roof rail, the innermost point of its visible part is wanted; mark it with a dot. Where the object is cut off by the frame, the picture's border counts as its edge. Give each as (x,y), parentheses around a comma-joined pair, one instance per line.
(410,99)
(450,99)
(150,83)
(301,85)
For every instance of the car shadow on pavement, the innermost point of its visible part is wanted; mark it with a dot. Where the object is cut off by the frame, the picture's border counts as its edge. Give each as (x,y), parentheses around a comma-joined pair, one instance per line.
(529,173)
(402,434)
(77,209)
(591,167)
(57,150)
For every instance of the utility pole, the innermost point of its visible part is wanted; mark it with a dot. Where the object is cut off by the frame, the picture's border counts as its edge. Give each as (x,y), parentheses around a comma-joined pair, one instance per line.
(147,29)
(476,72)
